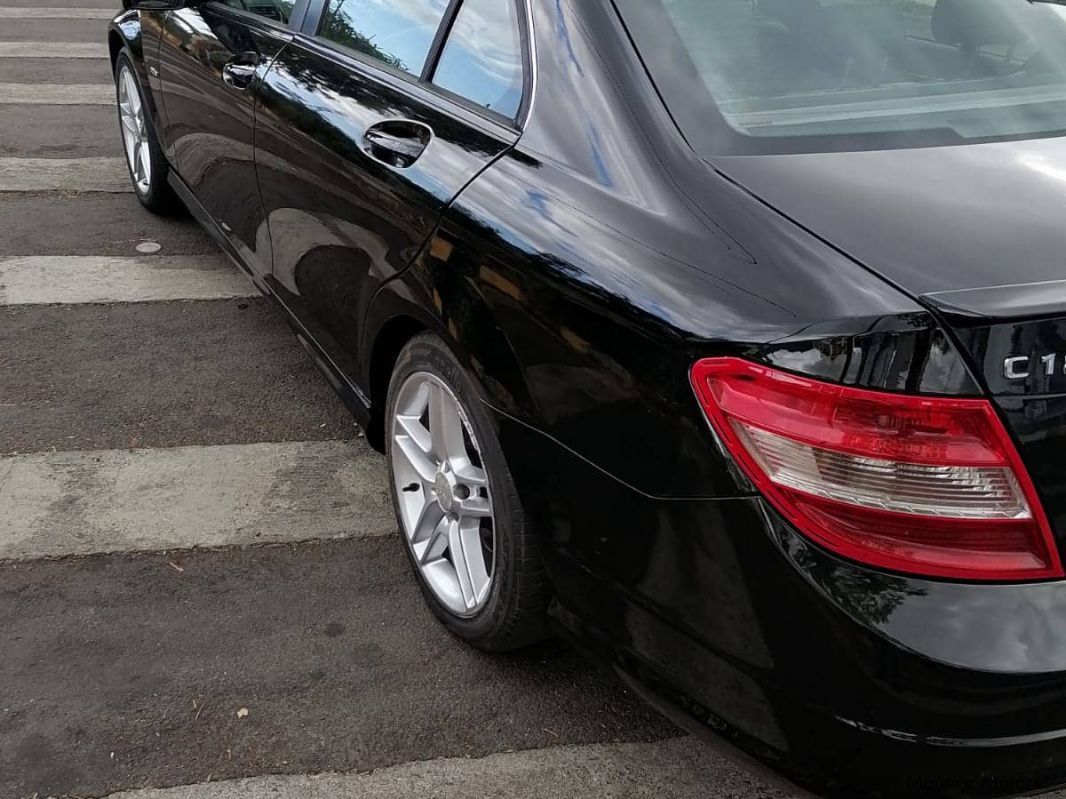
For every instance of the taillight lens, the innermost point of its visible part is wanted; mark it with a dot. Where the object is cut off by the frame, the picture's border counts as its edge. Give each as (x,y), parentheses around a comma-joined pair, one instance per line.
(923,485)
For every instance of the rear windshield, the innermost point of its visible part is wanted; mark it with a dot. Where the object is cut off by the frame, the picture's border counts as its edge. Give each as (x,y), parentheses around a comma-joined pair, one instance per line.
(815,74)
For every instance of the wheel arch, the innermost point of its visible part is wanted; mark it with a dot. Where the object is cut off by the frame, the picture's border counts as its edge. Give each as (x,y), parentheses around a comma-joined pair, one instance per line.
(125,32)
(115,43)
(467,326)
(387,345)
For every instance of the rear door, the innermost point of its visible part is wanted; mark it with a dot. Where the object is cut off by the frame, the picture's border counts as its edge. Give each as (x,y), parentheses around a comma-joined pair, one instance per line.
(212,56)
(370,123)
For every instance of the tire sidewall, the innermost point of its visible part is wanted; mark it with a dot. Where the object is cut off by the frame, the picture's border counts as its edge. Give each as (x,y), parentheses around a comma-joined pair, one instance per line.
(426,353)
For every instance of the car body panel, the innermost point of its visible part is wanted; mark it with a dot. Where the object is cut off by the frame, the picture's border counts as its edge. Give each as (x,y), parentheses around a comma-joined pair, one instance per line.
(939,212)
(210,124)
(344,222)
(853,682)
(941,215)
(139,32)
(604,273)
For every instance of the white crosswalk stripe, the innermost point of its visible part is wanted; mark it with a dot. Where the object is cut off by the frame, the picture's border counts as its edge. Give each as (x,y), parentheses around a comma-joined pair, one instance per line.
(54,12)
(52,50)
(64,279)
(56,94)
(673,768)
(56,504)
(64,174)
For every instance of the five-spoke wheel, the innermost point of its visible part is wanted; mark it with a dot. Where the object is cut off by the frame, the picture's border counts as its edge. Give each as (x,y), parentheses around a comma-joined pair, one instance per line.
(149,171)
(134,130)
(464,528)
(445,503)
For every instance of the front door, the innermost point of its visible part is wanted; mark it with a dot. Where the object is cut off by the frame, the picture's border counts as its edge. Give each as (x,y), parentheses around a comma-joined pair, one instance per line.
(369,124)
(212,57)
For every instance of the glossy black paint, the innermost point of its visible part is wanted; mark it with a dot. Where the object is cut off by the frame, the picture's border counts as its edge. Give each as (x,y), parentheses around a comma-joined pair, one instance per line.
(936,219)
(210,121)
(131,30)
(578,263)
(853,682)
(345,219)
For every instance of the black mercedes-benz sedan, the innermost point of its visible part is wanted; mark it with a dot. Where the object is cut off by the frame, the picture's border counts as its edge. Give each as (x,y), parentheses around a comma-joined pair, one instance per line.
(727,337)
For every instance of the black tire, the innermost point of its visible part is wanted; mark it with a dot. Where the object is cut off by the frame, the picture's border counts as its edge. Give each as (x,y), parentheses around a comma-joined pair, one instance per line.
(515,612)
(158,197)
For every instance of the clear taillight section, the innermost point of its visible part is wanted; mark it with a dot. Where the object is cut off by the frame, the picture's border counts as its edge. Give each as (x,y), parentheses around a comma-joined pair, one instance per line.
(963,492)
(923,485)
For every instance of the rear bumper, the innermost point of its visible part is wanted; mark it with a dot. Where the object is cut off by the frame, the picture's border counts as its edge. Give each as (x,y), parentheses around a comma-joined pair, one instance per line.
(845,761)
(848,681)
(788,740)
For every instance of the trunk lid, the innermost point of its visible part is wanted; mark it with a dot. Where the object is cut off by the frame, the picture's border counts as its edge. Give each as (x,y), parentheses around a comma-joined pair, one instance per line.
(933,221)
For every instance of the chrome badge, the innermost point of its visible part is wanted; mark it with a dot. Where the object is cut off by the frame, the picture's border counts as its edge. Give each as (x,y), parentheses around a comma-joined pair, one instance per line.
(1017,367)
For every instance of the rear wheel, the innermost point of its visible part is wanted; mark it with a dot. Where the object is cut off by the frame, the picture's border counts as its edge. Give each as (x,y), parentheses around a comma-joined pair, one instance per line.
(478,565)
(144,158)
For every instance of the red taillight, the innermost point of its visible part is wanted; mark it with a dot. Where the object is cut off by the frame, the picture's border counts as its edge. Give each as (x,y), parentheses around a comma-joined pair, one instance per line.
(924,485)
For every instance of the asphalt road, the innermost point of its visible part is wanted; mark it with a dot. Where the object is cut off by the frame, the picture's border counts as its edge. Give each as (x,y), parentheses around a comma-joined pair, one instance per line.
(125,670)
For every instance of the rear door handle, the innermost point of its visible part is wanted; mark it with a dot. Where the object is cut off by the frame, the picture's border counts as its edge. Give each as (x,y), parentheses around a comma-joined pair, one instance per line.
(397,142)
(239,71)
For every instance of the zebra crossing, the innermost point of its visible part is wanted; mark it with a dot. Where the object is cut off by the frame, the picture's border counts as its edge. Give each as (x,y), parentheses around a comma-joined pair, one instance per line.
(56,94)
(67,174)
(202,593)
(63,279)
(46,49)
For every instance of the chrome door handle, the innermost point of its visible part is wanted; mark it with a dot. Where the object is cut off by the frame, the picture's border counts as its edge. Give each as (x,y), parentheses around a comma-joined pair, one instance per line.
(405,148)
(398,143)
(239,71)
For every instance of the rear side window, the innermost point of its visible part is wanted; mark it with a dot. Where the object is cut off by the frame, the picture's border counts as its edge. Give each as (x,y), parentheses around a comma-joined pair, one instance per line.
(397,34)
(482,58)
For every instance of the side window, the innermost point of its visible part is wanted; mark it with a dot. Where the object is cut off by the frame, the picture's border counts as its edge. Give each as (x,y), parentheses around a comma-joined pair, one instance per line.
(277,10)
(398,34)
(482,59)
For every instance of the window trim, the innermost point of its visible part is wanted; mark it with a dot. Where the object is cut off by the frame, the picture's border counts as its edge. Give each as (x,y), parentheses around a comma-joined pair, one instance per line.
(299,8)
(299,11)
(444,30)
(531,64)
(525,43)
(313,18)
(373,69)
(312,28)
(309,34)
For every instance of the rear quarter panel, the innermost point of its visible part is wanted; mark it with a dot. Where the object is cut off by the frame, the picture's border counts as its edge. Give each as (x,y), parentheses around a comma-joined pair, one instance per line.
(583,273)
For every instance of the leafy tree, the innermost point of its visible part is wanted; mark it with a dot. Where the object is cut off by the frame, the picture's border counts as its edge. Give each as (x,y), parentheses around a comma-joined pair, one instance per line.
(339,29)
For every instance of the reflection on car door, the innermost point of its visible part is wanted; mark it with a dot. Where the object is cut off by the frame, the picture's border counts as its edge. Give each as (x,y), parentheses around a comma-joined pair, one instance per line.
(212,56)
(358,153)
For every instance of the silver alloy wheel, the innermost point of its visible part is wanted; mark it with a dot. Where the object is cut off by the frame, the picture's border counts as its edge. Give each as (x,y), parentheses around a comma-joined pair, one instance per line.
(443,494)
(134,130)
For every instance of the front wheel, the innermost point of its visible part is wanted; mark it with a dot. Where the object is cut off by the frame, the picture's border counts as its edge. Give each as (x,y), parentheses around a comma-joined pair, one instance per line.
(144,157)
(475,559)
